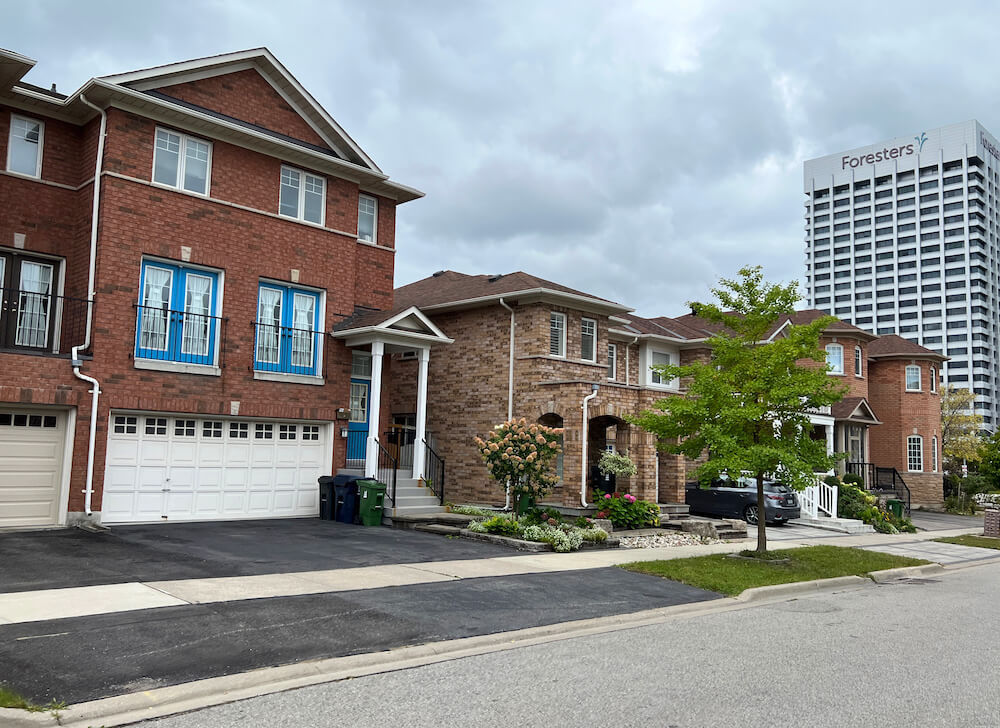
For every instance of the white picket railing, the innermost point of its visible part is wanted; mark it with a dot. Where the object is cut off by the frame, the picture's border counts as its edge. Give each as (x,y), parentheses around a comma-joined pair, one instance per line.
(819,498)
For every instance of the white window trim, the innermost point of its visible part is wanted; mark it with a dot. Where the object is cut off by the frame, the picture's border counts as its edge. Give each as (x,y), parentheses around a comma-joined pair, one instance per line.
(374,240)
(919,439)
(320,344)
(834,372)
(562,335)
(934,382)
(41,145)
(583,322)
(182,160)
(906,378)
(934,454)
(673,384)
(858,363)
(300,216)
(613,362)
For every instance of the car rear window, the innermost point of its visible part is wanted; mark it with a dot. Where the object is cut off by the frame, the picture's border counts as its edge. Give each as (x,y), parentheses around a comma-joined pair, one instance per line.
(777,488)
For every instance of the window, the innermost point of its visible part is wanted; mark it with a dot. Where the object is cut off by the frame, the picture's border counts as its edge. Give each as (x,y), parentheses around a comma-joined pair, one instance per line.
(287,432)
(359,402)
(302,195)
(183,428)
(915,453)
(933,381)
(913,378)
(181,161)
(287,330)
(658,359)
(588,339)
(361,364)
(835,358)
(934,454)
(176,318)
(263,432)
(857,362)
(211,429)
(310,432)
(557,334)
(239,430)
(156,425)
(612,362)
(24,148)
(125,425)
(27,303)
(367,218)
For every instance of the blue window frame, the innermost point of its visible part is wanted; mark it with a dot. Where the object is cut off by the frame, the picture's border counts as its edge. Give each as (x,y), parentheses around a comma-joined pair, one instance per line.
(288,335)
(176,320)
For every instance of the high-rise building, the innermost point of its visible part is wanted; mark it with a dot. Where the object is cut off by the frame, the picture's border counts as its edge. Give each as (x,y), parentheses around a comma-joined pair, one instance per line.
(901,238)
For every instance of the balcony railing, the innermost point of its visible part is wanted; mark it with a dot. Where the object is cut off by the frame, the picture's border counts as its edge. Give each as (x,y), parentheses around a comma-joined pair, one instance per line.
(287,349)
(179,336)
(41,323)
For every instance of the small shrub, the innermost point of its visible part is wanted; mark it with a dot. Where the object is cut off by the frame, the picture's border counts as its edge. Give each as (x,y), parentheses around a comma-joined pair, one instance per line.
(594,534)
(472,511)
(852,502)
(626,511)
(617,464)
(584,522)
(962,505)
(832,480)
(501,525)
(854,479)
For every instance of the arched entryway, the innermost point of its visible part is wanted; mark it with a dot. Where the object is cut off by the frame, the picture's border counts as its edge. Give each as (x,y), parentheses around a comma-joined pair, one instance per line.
(606,432)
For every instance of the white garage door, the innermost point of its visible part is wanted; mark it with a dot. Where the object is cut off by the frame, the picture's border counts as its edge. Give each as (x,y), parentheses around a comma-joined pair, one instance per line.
(164,468)
(31,456)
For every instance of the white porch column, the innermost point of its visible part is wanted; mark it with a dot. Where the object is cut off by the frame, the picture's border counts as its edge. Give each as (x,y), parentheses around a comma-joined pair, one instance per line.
(418,439)
(830,449)
(374,408)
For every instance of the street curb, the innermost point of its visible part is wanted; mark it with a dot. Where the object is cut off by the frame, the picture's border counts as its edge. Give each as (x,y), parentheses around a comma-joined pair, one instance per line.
(171,700)
(905,572)
(797,588)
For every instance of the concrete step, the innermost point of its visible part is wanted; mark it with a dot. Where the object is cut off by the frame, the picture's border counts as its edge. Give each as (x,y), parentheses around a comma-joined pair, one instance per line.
(415,501)
(674,509)
(841,525)
(438,528)
(411,510)
(412,520)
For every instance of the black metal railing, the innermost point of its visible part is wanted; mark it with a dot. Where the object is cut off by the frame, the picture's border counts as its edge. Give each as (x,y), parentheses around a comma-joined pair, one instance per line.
(286,349)
(385,471)
(179,336)
(399,442)
(882,480)
(434,469)
(357,444)
(41,323)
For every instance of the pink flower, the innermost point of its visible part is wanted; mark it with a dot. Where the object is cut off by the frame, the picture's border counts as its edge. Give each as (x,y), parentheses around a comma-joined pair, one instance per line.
(607,496)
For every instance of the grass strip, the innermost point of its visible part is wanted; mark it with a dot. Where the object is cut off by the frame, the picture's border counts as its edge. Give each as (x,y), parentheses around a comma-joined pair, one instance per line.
(725,575)
(11,699)
(981,542)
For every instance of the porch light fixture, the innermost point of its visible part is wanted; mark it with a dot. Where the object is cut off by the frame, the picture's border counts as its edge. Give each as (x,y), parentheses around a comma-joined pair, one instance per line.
(343,432)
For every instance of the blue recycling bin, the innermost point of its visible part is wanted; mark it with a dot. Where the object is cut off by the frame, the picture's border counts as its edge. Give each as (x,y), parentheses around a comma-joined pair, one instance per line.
(345,501)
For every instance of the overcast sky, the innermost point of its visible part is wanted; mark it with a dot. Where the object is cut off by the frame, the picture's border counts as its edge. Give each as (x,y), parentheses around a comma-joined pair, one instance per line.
(637,151)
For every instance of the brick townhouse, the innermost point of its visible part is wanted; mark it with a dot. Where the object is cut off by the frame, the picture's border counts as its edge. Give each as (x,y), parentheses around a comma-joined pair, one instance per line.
(527,347)
(186,238)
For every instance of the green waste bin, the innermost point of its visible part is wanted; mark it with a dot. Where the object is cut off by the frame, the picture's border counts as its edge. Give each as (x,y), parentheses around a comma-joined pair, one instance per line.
(371,495)
(896,506)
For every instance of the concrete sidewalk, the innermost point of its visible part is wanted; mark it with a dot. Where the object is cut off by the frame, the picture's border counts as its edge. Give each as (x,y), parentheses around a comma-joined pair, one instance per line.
(48,604)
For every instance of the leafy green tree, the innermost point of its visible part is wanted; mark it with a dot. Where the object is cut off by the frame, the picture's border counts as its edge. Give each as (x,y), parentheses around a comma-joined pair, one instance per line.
(960,425)
(989,461)
(747,407)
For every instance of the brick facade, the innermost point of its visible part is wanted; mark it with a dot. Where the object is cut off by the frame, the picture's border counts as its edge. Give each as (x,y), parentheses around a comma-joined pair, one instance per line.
(235,231)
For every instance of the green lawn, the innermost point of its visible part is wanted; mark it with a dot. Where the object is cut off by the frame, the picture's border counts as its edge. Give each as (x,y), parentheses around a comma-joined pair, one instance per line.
(983,542)
(725,575)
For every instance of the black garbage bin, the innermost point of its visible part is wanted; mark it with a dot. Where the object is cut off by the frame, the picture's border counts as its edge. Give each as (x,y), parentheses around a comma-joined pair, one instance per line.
(326,497)
(345,499)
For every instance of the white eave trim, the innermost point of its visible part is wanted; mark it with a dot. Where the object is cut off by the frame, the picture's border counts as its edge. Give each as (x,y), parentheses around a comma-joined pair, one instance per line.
(411,311)
(368,334)
(585,302)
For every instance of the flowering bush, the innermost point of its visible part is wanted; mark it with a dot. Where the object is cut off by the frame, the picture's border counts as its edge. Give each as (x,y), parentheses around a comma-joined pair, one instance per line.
(987,499)
(563,537)
(619,465)
(853,502)
(627,511)
(522,455)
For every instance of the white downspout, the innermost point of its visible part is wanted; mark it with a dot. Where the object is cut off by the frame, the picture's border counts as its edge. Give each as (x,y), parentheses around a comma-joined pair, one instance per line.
(510,384)
(628,348)
(76,362)
(583,466)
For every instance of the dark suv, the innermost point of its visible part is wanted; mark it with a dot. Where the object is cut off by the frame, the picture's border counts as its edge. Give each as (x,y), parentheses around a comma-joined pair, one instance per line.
(738,499)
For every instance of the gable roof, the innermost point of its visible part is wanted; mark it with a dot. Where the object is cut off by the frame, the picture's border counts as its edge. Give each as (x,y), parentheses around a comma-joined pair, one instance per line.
(854,409)
(264,62)
(797,318)
(135,91)
(892,345)
(448,289)
(400,326)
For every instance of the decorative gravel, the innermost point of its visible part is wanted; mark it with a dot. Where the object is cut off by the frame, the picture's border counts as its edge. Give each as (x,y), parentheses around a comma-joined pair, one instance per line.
(666,539)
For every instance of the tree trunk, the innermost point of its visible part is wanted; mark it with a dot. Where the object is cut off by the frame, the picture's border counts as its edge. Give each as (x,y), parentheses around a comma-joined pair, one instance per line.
(761,531)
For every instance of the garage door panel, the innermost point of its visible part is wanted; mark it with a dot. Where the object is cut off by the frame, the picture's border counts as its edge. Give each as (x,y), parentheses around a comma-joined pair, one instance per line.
(32,443)
(212,477)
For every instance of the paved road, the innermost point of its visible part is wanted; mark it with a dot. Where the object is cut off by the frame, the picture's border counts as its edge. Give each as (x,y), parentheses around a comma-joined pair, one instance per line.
(907,654)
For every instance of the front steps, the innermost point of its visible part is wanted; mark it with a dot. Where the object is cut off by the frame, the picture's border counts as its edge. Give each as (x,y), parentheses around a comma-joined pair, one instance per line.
(412,497)
(841,525)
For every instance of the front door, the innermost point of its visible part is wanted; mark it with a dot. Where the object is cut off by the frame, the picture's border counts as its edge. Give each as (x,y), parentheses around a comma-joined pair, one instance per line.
(357,428)
(856,443)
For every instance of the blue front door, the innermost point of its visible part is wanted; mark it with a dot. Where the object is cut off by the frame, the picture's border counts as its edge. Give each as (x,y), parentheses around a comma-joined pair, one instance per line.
(357,428)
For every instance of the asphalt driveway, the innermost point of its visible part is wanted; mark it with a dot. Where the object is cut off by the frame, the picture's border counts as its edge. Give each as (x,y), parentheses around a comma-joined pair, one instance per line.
(161,552)
(933,521)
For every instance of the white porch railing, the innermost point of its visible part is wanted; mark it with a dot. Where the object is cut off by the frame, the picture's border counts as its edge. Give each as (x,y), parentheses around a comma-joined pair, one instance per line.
(817,499)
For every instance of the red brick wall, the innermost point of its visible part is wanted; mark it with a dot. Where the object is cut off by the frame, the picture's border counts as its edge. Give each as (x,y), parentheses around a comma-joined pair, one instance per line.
(137,220)
(903,414)
(246,95)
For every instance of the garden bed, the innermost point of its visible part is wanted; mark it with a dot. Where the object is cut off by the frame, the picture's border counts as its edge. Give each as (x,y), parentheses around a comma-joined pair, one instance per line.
(532,546)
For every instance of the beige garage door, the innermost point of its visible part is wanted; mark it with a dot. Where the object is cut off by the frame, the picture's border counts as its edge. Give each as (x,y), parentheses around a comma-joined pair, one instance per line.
(31,454)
